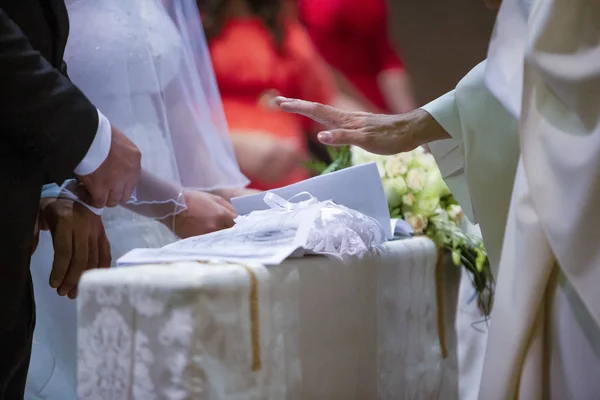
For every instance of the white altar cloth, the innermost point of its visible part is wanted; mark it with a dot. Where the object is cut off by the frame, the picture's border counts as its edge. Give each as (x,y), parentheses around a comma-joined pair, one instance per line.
(311,328)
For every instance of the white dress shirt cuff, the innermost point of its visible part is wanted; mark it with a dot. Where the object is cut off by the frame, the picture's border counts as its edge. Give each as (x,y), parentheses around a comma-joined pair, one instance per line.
(98,151)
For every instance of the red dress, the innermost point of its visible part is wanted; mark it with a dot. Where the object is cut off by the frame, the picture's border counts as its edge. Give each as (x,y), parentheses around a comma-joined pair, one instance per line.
(352,36)
(248,66)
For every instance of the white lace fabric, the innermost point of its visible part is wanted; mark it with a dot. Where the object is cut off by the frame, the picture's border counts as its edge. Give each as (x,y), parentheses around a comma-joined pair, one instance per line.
(185,331)
(322,227)
(326,330)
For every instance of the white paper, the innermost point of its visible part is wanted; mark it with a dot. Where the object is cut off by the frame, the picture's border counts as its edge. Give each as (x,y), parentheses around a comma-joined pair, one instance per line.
(268,239)
(401,228)
(358,188)
(237,244)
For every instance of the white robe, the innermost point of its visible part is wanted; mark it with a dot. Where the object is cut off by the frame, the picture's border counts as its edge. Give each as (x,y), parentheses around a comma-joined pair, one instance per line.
(544,339)
(466,113)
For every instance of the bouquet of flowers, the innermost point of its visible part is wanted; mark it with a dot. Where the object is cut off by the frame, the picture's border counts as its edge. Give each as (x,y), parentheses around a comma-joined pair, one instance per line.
(416,193)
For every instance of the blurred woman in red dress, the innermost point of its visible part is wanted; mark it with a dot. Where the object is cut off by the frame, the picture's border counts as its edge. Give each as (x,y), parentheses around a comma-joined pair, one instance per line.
(352,36)
(257,54)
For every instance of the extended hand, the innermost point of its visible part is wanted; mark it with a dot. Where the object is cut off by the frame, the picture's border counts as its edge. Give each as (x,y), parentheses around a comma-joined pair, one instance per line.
(80,242)
(114,181)
(376,133)
(205,213)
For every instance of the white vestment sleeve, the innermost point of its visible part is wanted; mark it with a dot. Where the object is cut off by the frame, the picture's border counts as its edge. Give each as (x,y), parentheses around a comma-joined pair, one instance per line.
(448,153)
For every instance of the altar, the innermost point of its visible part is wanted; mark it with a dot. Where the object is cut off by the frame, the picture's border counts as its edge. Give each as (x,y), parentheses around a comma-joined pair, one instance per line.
(311,328)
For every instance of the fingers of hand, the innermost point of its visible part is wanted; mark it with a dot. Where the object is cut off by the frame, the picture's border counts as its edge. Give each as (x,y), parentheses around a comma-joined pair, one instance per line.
(127,192)
(321,113)
(83,194)
(104,255)
(62,238)
(93,252)
(226,219)
(98,195)
(80,254)
(73,293)
(228,206)
(339,137)
(115,196)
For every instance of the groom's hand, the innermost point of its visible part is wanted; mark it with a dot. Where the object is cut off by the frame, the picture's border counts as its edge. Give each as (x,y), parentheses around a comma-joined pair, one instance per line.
(80,242)
(114,181)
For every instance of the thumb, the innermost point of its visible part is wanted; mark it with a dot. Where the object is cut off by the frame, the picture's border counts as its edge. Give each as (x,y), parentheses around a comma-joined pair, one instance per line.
(340,137)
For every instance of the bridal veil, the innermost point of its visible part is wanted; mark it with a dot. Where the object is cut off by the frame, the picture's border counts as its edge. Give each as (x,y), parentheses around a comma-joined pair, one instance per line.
(145,64)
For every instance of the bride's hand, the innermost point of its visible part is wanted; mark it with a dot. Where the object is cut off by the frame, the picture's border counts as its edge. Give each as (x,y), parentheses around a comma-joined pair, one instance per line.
(205,213)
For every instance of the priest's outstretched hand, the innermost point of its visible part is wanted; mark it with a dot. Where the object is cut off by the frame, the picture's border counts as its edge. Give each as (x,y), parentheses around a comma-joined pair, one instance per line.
(376,133)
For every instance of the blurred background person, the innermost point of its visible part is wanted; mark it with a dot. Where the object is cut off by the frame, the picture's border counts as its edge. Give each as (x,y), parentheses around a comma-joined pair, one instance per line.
(259,52)
(352,36)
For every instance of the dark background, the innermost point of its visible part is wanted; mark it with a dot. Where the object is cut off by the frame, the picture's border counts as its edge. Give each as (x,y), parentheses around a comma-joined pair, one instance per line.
(439,41)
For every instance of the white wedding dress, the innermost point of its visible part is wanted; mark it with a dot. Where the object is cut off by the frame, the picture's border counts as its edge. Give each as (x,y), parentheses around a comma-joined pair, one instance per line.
(138,39)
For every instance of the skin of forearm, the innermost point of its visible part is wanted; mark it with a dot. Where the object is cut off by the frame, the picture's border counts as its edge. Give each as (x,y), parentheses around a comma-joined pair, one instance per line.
(158,197)
(421,126)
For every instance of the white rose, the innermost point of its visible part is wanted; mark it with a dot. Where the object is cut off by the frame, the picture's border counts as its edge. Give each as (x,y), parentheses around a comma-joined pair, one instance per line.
(416,221)
(427,204)
(409,199)
(416,179)
(419,150)
(360,156)
(395,167)
(394,189)
(455,212)
(435,183)
(381,168)
(425,161)
(403,158)
(441,215)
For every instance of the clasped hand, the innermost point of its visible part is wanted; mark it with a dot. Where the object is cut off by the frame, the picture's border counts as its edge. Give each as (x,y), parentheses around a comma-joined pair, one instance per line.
(115,180)
(204,213)
(79,239)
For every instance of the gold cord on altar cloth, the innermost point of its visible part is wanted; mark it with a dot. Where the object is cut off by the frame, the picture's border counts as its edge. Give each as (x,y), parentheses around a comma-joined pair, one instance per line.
(439,299)
(254,320)
(254,317)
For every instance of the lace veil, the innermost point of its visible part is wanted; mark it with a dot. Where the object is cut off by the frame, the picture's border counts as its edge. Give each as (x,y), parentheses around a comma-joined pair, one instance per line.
(145,64)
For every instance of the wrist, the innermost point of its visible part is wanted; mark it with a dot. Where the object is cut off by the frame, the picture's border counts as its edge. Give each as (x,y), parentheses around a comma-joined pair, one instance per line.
(424,128)
(45,202)
(170,221)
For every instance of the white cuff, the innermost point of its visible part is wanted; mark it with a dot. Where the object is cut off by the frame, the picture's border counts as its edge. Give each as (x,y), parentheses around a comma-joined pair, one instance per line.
(99,149)
(67,191)
(50,190)
(445,112)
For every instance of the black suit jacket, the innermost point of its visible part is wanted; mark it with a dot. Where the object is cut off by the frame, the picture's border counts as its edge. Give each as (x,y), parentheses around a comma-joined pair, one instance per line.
(46,128)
